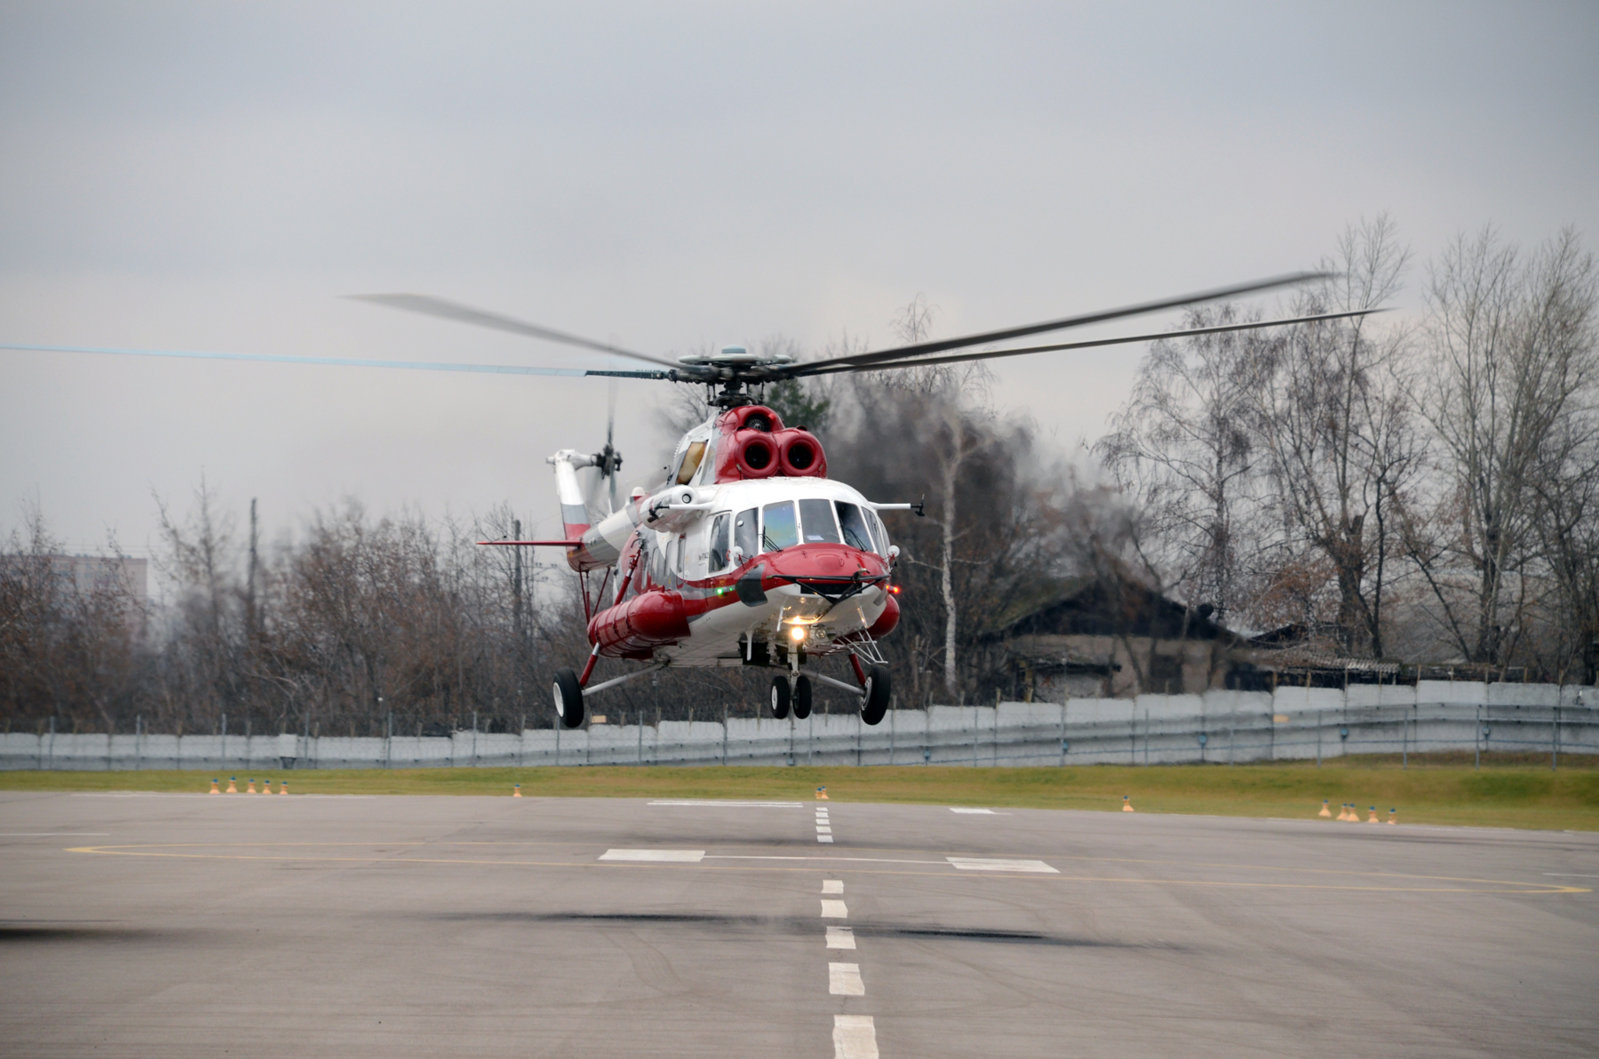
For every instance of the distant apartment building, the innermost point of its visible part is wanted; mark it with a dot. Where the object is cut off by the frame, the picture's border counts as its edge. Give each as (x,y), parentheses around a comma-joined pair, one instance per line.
(95,573)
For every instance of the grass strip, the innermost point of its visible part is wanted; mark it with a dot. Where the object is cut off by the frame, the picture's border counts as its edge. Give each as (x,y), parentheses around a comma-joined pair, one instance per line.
(1428,791)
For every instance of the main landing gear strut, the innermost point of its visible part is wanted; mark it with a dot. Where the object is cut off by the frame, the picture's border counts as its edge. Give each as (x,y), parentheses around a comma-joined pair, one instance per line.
(874,690)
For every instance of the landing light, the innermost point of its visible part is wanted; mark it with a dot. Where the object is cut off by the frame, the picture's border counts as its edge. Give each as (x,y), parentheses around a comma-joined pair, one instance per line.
(796,633)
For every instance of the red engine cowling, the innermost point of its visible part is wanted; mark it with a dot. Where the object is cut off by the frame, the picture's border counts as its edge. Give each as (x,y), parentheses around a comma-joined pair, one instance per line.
(756,455)
(646,621)
(802,455)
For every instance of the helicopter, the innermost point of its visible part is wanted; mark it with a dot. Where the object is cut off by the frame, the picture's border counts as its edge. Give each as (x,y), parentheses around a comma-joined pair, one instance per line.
(747,554)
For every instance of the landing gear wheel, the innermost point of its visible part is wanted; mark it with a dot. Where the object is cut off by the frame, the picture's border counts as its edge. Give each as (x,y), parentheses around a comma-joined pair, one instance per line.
(780,697)
(568,698)
(802,697)
(874,701)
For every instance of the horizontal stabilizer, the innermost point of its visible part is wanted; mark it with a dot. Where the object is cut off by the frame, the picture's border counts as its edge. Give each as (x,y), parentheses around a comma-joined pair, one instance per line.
(538,544)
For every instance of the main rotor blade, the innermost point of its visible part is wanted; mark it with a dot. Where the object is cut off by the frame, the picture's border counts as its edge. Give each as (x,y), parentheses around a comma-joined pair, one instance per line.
(346,362)
(862,360)
(989,354)
(428,305)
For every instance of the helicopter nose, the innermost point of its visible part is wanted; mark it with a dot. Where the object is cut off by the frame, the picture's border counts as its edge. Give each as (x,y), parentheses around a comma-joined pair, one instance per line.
(826,569)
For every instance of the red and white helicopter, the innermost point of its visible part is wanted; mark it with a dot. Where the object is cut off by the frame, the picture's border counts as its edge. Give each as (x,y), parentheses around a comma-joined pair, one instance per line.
(747,554)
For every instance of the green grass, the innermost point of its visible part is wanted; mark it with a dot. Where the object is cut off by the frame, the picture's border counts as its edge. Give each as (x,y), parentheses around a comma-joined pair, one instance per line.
(1434,789)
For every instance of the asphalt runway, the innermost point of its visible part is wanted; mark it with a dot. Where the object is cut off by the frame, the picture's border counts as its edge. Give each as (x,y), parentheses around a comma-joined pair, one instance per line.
(193,925)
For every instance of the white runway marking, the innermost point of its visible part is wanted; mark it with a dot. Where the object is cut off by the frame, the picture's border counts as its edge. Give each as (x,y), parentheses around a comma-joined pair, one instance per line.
(824,829)
(832,886)
(985,864)
(834,910)
(676,856)
(817,859)
(1569,875)
(840,937)
(844,979)
(728,805)
(854,1037)
(824,838)
(963,809)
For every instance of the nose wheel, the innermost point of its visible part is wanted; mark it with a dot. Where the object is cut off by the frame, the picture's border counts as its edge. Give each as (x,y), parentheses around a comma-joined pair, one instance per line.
(802,697)
(781,697)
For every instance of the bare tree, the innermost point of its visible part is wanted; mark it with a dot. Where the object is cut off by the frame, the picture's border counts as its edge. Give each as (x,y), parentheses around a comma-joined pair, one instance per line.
(1184,448)
(1333,419)
(1511,393)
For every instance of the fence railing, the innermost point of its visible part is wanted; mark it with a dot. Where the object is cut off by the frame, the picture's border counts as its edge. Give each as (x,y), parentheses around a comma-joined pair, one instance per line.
(1217,727)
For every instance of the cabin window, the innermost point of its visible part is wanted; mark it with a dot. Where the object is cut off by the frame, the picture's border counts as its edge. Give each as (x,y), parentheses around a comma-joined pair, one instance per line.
(779,526)
(746,534)
(718,557)
(816,517)
(857,534)
(691,462)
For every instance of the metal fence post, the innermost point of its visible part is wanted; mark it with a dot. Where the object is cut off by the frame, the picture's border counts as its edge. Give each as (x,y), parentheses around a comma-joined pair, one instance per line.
(1554,742)
(1063,734)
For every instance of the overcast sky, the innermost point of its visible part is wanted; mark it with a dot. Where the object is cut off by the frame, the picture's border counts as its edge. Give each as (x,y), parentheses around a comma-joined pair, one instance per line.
(666,176)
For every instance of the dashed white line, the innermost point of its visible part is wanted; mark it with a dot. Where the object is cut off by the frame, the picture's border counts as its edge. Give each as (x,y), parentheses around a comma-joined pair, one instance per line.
(1569,875)
(674,856)
(824,829)
(854,1037)
(840,937)
(986,864)
(964,809)
(834,909)
(824,838)
(832,886)
(844,979)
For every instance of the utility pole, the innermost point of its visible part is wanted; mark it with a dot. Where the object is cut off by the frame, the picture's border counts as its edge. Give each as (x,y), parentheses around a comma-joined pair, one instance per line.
(249,590)
(516,584)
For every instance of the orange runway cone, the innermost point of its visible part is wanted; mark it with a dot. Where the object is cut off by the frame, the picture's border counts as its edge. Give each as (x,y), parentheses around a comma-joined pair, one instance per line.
(1127,803)
(233,788)
(1391,816)
(516,791)
(1325,813)
(251,788)
(266,786)
(214,789)
(1343,810)
(283,786)
(821,794)
(1372,819)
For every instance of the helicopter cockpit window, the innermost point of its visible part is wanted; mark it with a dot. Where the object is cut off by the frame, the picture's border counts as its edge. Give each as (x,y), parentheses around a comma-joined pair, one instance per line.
(718,556)
(779,527)
(816,516)
(856,532)
(691,462)
(879,534)
(746,534)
